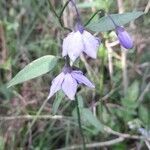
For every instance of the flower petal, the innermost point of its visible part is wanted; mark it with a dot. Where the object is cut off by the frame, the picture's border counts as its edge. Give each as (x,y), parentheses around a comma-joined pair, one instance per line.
(82,79)
(66,43)
(56,84)
(124,38)
(69,86)
(73,45)
(91,44)
(77,71)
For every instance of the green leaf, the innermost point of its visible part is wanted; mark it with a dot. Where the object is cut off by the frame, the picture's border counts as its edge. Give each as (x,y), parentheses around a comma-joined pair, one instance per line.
(130,99)
(132,92)
(105,23)
(144,114)
(5,92)
(6,65)
(89,117)
(2,143)
(80,101)
(57,101)
(36,68)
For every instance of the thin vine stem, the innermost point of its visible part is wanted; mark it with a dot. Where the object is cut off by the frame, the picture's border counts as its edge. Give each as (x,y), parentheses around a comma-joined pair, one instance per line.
(59,16)
(61,12)
(79,122)
(112,21)
(52,9)
(78,14)
(36,116)
(92,17)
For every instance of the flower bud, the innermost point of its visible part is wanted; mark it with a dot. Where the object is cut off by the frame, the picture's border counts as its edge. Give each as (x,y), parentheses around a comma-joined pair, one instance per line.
(124,38)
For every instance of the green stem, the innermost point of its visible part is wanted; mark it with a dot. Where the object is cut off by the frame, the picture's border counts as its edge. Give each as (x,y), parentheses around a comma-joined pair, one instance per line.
(102,72)
(38,113)
(93,17)
(59,16)
(61,13)
(113,21)
(76,9)
(52,9)
(36,116)
(79,122)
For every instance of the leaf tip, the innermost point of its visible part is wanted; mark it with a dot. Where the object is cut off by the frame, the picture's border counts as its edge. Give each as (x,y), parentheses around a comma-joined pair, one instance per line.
(8,85)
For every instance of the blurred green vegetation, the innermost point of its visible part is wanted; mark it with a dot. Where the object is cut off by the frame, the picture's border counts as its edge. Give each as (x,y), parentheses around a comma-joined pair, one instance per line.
(29,30)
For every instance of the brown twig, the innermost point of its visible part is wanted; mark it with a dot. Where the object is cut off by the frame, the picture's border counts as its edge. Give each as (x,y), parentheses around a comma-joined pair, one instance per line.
(110,62)
(147,8)
(120,6)
(98,144)
(106,96)
(59,117)
(124,135)
(31,117)
(124,70)
(141,97)
(3,49)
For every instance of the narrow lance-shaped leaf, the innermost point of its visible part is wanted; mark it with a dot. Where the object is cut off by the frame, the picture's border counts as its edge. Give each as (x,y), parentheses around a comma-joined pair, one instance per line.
(36,68)
(88,116)
(2,143)
(57,102)
(105,23)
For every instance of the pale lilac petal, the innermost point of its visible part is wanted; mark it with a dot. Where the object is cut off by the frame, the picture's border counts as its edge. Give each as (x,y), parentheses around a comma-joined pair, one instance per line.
(66,43)
(82,79)
(124,38)
(78,71)
(69,86)
(56,84)
(91,44)
(73,45)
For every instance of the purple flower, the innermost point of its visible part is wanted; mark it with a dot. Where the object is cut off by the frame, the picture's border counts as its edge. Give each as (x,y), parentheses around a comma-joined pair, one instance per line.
(68,81)
(80,41)
(124,38)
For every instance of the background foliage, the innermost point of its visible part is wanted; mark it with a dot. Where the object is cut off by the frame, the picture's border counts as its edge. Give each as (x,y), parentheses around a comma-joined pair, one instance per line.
(119,104)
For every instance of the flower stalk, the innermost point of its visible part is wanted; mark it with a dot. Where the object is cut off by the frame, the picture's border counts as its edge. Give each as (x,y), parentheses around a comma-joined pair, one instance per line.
(79,122)
(78,14)
(123,36)
(59,16)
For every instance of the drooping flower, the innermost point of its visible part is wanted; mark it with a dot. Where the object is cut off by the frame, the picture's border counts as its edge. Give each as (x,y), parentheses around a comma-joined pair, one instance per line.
(124,38)
(68,81)
(80,41)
